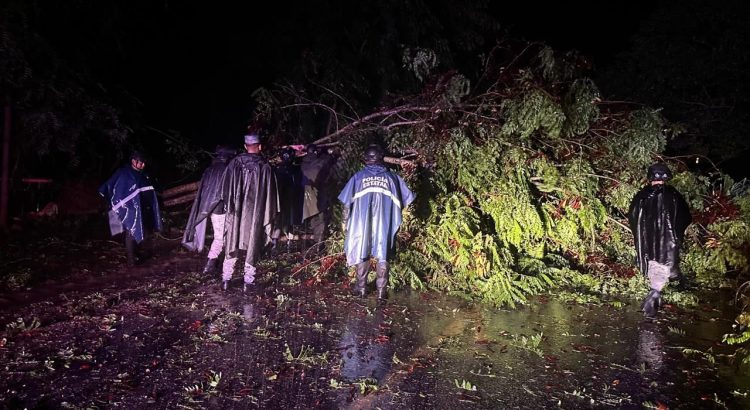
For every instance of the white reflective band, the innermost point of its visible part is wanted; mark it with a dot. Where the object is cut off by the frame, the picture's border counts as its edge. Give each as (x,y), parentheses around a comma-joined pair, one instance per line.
(131,196)
(376,190)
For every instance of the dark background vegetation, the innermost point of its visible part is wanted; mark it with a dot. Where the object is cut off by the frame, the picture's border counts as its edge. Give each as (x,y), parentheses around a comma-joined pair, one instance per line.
(89,80)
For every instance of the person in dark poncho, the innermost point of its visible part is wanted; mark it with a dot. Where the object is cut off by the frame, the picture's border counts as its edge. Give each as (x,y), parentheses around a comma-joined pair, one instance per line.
(209,206)
(658,218)
(250,195)
(133,206)
(373,199)
(289,179)
(316,169)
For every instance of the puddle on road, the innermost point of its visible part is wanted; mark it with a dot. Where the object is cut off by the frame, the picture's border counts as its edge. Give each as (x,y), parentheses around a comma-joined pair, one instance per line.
(426,350)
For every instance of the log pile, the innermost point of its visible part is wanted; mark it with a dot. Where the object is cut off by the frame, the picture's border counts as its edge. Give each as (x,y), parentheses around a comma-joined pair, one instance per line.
(180,194)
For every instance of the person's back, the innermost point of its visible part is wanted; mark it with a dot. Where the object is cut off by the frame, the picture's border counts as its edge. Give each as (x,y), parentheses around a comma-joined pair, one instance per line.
(291,195)
(208,205)
(373,200)
(316,169)
(379,198)
(249,191)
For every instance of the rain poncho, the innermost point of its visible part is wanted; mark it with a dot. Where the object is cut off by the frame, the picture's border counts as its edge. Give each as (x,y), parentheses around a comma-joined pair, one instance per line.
(289,178)
(250,196)
(316,168)
(374,198)
(658,217)
(133,203)
(206,203)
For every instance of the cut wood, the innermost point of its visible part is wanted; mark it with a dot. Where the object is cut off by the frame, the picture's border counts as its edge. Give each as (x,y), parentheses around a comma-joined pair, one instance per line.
(181,189)
(180,199)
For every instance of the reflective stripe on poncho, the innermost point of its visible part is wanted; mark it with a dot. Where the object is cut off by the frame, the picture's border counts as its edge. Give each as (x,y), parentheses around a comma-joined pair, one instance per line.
(132,198)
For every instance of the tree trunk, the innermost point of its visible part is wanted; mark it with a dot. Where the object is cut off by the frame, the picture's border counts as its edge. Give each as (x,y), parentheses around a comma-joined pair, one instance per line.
(180,199)
(189,187)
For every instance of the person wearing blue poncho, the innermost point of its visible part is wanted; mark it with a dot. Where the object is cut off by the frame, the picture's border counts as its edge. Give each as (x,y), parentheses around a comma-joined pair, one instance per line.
(373,199)
(133,206)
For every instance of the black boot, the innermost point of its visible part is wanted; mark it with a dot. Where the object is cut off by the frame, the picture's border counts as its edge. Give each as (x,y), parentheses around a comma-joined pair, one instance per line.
(224,285)
(210,265)
(382,280)
(359,287)
(130,249)
(651,304)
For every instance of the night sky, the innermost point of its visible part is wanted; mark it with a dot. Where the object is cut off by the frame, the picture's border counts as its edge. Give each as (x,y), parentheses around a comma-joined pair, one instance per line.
(192,66)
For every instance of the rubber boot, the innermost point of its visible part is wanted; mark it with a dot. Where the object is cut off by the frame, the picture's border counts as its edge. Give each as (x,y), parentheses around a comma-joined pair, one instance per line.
(651,304)
(210,265)
(248,277)
(130,249)
(359,286)
(382,280)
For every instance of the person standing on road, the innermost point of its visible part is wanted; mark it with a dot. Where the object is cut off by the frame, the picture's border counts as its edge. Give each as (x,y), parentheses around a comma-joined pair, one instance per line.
(374,199)
(250,195)
(316,169)
(658,217)
(289,179)
(209,206)
(133,205)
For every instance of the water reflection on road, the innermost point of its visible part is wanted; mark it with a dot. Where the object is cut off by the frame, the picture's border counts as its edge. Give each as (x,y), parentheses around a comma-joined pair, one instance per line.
(366,351)
(427,350)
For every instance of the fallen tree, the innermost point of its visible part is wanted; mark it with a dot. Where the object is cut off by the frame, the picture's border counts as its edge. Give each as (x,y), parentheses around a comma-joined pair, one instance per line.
(523,179)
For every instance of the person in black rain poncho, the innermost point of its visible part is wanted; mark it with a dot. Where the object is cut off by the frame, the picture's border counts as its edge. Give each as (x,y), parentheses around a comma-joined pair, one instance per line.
(209,206)
(316,169)
(373,199)
(658,217)
(250,195)
(133,206)
(289,178)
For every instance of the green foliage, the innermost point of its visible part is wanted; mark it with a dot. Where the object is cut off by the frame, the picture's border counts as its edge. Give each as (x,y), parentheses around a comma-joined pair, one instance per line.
(533,111)
(693,187)
(723,251)
(619,196)
(638,140)
(419,61)
(525,185)
(743,323)
(580,107)
(740,195)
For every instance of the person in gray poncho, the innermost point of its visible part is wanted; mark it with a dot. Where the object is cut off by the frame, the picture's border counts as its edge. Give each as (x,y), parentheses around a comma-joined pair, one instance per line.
(209,206)
(250,195)
(658,217)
